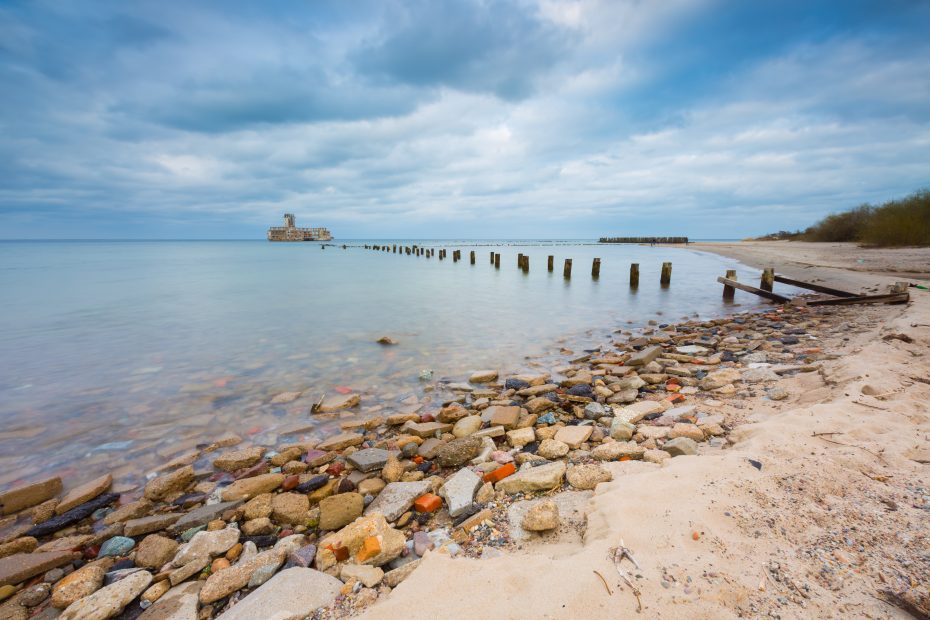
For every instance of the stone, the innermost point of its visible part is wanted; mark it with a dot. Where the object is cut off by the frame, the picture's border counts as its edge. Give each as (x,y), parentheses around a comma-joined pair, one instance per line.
(618,450)
(369,576)
(179,603)
(459,491)
(371,486)
(116,546)
(155,551)
(520,437)
(290,508)
(167,484)
(222,584)
(586,477)
(340,510)
(250,487)
(146,525)
(574,436)
(621,430)
(156,591)
(656,456)
(23,544)
(188,570)
(528,479)
(498,415)
(44,511)
(353,536)
(777,393)
(368,459)
(292,594)
(239,459)
(132,510)
(29,495)
(82,582)
(541,517)
(396,498)
(286,456)
(34,596)
(637,411)
(538,404)
(257,507)
(681,446)
(392,470)
(393,578)
(203,515)
(466,426)
(690,431)
(341,442)
(258,527)
(69,543)
(596,411)
(339,401)
(719,378)
(426,429)
(84,493)
(285,397)
(109,600)
(552,449)
(19,567)
(483,376)
(759,375)
(458,451)
(206,545)
(72,516)
(647,355)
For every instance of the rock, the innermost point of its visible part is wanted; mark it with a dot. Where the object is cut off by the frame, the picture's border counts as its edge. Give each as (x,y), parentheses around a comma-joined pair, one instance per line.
(386,340)
(285,397)
(368,459)
(155,551)
(521,436)
(451,413)
(222,584)
(188,570)
(370,486)
(392,470)
(630,383)
(644,357)
(72,516)
(339,401)
(156,591)
(250,487)
(458,451)
(426,429)
(146,525)
(681,446)
(466,426)
(541,517)
(656,456)
(290,508)
(574,436)
(617,450)
(84,493)
(371,527)
(257,507)
(759,375)
(23,544)
(292,594)
(581,390)
(719,378)
(690,431)
(132,510)
(116,546)
(777,393)
(528,479)
(637,411)
(239,459)
(110,600)
(538,404)
(393,578)
(167,484)
(621,430)
(19,567)
(552,449)
(205,545)
(29,495)
(596,411)
(179,603)
(498,415)
(396,498)
(341,442)
(35,595)
(370,576)
(459,491)
(340,510)
(483,376)
(586,477)
(258,527)
(203,515)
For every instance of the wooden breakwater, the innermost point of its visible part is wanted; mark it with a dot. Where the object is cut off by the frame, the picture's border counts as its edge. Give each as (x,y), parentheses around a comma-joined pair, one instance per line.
(643,240)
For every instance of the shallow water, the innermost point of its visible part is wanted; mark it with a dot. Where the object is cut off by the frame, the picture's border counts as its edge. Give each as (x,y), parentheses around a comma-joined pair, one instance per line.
(121,355)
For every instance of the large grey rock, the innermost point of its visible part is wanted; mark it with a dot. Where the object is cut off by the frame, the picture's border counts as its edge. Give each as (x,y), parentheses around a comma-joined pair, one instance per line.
(203,515)
(396,498)
(645,356)
(530,479)
(369,459)
(681,446)
(459,491)
(292,594)
(110,600)
(206,545)
(178,603)
(637,411)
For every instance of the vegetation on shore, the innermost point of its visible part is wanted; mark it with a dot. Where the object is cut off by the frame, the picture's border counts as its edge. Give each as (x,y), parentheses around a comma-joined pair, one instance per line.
(895,223)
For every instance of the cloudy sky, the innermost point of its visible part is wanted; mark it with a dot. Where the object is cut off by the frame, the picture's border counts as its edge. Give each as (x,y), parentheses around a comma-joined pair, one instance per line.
(536,118)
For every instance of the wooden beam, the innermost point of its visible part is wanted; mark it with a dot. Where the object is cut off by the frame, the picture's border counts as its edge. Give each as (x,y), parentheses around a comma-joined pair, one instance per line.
(751,289)
(892,298)
(814,287)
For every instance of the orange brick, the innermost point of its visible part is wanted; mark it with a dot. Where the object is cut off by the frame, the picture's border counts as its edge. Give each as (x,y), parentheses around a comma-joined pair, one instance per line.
(427,503)
(675,398)
(672,387)
(500,473)
(341,552)
(370,548)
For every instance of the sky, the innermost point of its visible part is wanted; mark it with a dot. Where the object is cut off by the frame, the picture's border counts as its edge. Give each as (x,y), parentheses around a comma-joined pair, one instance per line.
(483,119)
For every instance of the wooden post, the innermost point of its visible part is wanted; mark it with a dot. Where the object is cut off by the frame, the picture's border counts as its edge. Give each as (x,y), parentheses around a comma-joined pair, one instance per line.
(492,258)
(567,271)
(497,260)
(666,278)
(526,264)
(596,268)
(551,263)
(519,261)
(728,290)
(634,275)
(768,279)
(472,257)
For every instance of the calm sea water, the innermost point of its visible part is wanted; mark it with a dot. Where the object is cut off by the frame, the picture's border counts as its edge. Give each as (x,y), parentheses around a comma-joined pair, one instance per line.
(121,355)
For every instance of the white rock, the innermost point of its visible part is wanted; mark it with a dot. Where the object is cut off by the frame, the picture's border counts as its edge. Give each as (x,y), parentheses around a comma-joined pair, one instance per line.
(292,594)
(110,600)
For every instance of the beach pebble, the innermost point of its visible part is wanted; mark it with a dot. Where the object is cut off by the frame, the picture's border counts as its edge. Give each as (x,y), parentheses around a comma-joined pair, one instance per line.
(541,517)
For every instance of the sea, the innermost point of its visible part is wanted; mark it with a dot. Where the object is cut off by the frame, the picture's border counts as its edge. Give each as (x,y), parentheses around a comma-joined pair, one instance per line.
(123,355)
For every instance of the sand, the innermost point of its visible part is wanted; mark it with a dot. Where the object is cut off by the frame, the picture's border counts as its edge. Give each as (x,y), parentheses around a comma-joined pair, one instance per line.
(826,524)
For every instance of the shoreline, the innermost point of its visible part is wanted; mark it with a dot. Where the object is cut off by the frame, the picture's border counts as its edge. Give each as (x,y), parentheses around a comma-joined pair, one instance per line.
(696,556)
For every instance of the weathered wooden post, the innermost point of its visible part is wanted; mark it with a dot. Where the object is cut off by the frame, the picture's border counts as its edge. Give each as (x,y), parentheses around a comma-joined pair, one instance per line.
(634,275)
(492,258)
(729,291)
(596,268)
(768,279)
(497,260)
(567,270)
(526,264)
(666,278)
(519,261)
(472,257)
(551,263)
